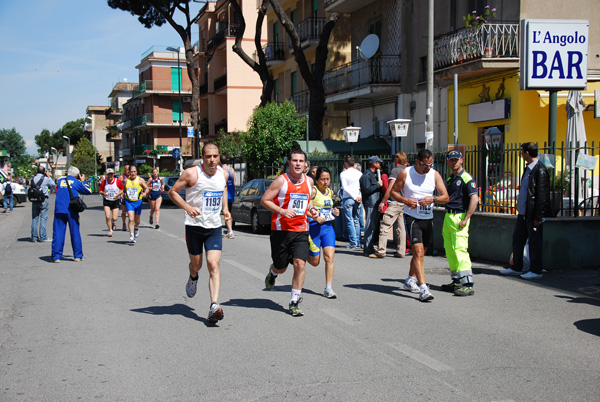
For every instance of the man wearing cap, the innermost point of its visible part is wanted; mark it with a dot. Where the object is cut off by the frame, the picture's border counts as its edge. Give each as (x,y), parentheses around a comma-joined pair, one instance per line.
(463,201)
(40,208)
(370,188)
(111,189)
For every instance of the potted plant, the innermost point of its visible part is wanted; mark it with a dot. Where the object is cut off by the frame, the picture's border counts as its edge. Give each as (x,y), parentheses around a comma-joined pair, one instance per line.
(474,37)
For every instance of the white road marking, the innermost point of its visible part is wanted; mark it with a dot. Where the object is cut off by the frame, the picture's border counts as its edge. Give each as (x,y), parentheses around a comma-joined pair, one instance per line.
(421,357)
(338,315)
(244,268)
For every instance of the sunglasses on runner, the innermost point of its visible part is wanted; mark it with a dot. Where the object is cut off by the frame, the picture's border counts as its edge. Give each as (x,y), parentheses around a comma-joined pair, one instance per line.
(426,164)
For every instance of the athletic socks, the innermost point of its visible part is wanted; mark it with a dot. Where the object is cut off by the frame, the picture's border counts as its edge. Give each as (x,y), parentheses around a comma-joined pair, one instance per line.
(295,295)
(423,287)
(272,273)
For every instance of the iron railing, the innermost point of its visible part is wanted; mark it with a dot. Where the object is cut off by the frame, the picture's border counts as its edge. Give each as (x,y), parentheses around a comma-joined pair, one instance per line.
(361,73)
(164,86)
(483,41)
(274,51)
(301,100)
(310,29)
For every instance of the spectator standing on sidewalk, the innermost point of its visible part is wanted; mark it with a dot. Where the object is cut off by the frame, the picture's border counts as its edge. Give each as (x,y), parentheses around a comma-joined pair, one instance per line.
(8,194)
(351,202)
(533,204)
(463,201)
(230,194)
(370,188)
(393,213)
(39,209)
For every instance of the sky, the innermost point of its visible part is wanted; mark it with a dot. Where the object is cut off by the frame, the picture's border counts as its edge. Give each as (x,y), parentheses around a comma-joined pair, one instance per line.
(59,57)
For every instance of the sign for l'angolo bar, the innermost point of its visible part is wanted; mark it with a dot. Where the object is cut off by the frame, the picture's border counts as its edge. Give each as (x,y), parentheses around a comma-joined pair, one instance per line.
(554,54)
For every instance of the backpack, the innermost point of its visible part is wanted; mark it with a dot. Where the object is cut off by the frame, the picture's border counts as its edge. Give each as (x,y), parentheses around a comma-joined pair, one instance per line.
(35,193)
(8,188)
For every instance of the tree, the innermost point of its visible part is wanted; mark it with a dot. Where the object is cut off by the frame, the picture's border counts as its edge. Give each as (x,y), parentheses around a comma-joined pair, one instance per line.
(73,130)
(272,131)
(83,157)
(314,79)
(157,12)
(47,140)
(229,144)
(12,142)
(261,67)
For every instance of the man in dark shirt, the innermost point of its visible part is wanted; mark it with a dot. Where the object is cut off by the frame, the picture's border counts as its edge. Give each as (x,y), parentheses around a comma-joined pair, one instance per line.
(370,188)
(459,209)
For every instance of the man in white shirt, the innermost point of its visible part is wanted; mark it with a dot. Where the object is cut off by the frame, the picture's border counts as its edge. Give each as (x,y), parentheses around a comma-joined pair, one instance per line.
(351,202)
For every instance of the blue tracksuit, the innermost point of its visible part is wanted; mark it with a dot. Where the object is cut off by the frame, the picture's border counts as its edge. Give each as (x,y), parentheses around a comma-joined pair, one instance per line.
(62,216)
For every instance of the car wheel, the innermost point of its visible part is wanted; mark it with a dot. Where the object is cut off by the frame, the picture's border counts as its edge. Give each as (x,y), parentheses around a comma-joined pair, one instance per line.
(254,222)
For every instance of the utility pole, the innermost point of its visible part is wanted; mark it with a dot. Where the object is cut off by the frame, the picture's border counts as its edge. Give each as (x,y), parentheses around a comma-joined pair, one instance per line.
(429,98)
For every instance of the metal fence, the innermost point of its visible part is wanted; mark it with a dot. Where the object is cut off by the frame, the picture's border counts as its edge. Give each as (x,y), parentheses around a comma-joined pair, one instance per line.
(497,171)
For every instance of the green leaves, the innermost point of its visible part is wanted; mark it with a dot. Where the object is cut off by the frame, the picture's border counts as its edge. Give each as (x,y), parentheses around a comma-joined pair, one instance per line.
(83,157)
(13,142)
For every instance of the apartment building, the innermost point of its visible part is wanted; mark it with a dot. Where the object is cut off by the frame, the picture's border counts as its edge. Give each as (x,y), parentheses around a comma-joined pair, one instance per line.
(156,116)
(95,128)
(229,88)
(121,93)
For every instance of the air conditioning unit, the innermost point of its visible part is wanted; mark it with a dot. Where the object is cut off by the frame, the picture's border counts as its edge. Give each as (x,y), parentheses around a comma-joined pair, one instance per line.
(187,99)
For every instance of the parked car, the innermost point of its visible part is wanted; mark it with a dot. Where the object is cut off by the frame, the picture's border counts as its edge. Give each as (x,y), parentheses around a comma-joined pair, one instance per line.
(169,182)
(246,206)
(19,194)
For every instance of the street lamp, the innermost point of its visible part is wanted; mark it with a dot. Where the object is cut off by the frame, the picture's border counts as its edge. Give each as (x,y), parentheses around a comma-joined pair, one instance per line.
(68,151)
(179,77)
(54,151)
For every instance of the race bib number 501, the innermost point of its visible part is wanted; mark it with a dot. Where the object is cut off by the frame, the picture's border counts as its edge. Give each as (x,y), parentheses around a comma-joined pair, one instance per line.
(298,202)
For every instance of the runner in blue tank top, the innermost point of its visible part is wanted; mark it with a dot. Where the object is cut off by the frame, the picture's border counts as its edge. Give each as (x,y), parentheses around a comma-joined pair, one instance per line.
(230,194)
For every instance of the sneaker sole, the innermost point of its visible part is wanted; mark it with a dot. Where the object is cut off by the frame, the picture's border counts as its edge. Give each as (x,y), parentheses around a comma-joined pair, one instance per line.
(331,297)
(297,314)
(464,294)
(428,298)
(217,316)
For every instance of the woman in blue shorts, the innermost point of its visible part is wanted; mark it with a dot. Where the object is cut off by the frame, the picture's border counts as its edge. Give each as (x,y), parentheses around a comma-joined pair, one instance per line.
(156,186)
(321,230)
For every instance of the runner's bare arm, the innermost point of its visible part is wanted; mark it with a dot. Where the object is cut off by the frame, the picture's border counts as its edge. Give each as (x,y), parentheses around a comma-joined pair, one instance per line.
(225,203)
(269,195)
(397,188)
(187,179)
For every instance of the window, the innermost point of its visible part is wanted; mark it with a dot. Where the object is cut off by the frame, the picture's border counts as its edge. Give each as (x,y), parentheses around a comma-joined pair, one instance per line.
(294,18)
(294,83)
(275,32)
(176,111)
(175,79)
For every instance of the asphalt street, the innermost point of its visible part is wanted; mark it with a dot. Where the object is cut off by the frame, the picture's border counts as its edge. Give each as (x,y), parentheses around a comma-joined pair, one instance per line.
(119,326)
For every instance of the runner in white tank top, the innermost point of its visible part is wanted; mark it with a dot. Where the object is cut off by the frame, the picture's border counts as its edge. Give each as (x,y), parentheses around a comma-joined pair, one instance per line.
(414,187)
(206,194)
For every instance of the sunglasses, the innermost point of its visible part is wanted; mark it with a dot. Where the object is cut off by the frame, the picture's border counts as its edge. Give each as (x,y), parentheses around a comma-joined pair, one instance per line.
(426,164)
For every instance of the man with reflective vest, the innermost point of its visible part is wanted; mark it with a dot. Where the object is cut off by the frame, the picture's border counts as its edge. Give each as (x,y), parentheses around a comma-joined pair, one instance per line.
(463,201)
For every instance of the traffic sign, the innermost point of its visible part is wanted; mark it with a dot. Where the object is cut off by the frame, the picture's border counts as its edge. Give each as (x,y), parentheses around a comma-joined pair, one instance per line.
(176,153)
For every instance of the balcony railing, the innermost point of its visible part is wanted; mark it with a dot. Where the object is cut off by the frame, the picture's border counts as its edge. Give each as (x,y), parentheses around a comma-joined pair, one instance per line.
(379,70)
(164,86)
(484,41)
(222,30)
(112,137)
(274,51)
(166,118)
(220,82)
(301,100)
(310,29)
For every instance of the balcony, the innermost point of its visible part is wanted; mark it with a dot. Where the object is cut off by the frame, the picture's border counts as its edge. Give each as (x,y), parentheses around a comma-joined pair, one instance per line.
(164,119)
(378,76)
(301,100)
(114,137)
(203,89)
(220,82)
(309,32)
(113,113)
(164,86)
(477,51)
(346,6)
(274,53)
(223,30)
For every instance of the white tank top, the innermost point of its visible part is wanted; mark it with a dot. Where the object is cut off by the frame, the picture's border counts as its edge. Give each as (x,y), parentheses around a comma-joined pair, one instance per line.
(207,196)
(111,190)
(419,186)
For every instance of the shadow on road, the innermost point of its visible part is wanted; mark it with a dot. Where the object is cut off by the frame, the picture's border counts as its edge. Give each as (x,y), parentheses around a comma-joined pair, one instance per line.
(388,290)
(175,309)
(591,326)
(256,303)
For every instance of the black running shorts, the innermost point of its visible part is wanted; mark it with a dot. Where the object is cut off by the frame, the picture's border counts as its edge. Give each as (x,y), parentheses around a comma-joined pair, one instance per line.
(197,238)
(115,204)
(285,246)
(419,230)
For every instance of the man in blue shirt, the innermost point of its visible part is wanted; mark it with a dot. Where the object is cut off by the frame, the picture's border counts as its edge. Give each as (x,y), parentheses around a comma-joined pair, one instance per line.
(63,215)
(39,209)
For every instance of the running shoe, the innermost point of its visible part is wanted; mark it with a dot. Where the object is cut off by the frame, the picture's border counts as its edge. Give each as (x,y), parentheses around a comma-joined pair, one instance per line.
(157,226)
(79,259)
(411,286)
(295,311)
(136,233)
(329,293)
(151,221)
(124,229)
(425,295)
(230,235)
(451,287)
(114,227)
(191,287)
(215,313)
(465,290)
(110,233)
(131,240)
(270,280)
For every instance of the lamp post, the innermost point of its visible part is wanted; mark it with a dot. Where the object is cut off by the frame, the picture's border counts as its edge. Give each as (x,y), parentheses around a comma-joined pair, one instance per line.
(68,151)
(179,77)
(54,151)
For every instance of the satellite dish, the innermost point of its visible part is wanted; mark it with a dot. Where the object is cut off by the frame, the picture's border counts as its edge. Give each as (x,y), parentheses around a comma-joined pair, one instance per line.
(369,46)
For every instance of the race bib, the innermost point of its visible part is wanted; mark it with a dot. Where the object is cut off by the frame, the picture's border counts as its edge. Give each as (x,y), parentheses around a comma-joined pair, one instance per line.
(132,194)
(424,210)
(212,202)
(326,211)
(298,202)
(110,195)
(156,186)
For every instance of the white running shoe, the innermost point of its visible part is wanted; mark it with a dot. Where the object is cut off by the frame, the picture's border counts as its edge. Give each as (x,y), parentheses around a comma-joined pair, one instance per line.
(329,293)
(191,287)
(136,233)
(110,233)
(215,313)
(411,286)
(425,295)
(131,240)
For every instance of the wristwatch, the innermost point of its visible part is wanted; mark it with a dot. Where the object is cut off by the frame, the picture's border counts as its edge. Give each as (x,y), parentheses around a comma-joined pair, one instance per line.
(434,199)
